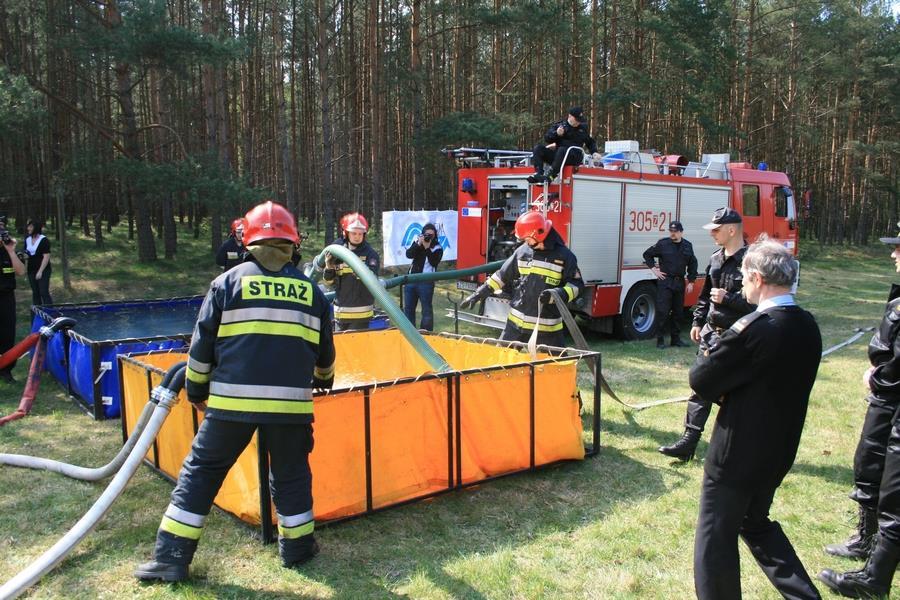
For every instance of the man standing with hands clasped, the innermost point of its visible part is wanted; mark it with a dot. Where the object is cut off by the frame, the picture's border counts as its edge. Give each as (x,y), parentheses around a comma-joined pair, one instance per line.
(762,366)
(676,256)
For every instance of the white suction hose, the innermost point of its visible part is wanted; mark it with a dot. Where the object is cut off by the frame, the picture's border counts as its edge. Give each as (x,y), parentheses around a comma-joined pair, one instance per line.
(83,473)
(166,398)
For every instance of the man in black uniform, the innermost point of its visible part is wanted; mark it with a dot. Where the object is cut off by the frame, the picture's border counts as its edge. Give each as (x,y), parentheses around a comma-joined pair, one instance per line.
(232,251)
(571,132)
(883,402)
(354,305)
(262,343)
(765,364)
(876,466)
(10,266)
(720,304)
(676,256)
(540,264)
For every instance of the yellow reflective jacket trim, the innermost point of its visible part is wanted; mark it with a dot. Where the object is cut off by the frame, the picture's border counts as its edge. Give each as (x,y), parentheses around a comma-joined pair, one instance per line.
(269,328)
(495,282)
(180,529)
(8,270)
(323,372)
(343,314)
(525,325)
(571,291)
(196,377)
(261,405)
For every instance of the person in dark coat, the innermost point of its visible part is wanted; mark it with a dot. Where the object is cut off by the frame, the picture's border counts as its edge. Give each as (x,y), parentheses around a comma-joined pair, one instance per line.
(232,251)
(10,267)
(676,262)
(876,466)
(571,132)
(763,366)
(426,253)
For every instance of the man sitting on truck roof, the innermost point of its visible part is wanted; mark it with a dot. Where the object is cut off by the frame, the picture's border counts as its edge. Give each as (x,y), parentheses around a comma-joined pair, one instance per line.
(571,132)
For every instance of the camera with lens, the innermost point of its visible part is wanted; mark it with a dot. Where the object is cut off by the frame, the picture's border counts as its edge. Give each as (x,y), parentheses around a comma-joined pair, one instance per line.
(4,235)
(428,236)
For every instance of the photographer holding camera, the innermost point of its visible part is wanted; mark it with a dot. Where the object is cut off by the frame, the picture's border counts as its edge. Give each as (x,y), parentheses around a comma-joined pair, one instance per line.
(426,253)
(10,266)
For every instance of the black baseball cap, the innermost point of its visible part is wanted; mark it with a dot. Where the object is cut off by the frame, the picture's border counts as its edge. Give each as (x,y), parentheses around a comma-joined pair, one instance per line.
(576,112)
(724,216)
(893,241)
(676,226)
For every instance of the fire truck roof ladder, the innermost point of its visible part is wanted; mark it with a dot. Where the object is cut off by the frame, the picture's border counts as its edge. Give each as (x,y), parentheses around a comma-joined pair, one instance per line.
(470,157)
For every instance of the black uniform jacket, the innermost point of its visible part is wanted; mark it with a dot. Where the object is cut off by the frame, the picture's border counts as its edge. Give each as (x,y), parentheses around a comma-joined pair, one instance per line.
(419,254)
(230,253)
(530,272)
(260,338)
(674,259)
(723,272)
(884,352)
(762,371)
(7,272)
(353,300)
(573,136)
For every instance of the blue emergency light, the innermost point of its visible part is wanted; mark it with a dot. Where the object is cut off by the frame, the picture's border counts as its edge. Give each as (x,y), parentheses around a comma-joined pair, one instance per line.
(468,185)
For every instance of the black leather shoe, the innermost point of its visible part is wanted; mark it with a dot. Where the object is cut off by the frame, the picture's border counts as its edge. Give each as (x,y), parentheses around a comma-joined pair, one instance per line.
(302,558)
(660,343)
(157,571)
(679,343)
(852,584)
(685,447)
(536,178)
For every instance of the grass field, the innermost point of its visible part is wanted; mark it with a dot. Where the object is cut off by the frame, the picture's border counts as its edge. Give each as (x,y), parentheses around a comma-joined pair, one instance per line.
(616,526)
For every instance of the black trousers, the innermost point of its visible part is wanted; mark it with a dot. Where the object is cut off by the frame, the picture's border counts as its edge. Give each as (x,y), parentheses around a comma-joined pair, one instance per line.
(889,497)
(7,323)
(40,288)
(868,462)
(670,305)
(542,154)
(216,447)
(725,514)
(698,408)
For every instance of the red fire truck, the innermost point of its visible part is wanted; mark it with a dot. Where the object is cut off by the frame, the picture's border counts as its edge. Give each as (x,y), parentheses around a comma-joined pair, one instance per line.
(609,211)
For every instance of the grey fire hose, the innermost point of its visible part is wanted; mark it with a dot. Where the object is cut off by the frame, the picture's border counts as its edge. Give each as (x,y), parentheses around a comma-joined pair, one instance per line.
(83,473)
(164,396)
(435,360)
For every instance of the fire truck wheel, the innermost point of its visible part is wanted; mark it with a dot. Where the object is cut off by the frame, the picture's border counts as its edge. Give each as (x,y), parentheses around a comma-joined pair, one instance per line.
(638,318)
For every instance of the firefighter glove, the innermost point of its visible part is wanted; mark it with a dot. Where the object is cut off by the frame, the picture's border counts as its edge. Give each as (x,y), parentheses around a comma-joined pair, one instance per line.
(322,384)
(482,292)
(546,297)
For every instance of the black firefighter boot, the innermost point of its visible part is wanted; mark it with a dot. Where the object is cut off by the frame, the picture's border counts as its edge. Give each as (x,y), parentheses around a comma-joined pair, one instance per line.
(684,448)
(858,545)
(660,342)
(172,556)
(677,342)
(873,580)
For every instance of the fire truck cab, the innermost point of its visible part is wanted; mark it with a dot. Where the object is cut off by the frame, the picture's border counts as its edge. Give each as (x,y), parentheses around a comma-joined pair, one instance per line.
(609,211)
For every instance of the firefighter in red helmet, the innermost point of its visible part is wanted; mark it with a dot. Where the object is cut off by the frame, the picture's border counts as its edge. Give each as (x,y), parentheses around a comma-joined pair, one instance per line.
(232,251)
(354,305)
(542,263)
(262,343)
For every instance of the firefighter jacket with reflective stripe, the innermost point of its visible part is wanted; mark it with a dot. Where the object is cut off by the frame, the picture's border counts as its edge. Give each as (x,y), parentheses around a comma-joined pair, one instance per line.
(531,271)
(723,272)
(7,272)
(260,338)
(352,299)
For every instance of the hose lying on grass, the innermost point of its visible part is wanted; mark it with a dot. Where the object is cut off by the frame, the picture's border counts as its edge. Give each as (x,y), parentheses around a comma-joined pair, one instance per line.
(163,398)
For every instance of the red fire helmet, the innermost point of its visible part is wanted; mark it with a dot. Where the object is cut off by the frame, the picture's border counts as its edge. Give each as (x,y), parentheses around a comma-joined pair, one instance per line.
(534,225)
(237,223)
(270,221)
(354,222)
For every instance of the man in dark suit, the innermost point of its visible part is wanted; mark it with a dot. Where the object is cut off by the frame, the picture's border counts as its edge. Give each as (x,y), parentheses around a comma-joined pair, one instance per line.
(761,373)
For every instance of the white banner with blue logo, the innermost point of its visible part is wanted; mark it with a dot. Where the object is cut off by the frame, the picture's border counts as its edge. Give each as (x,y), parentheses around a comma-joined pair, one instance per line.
(401,228)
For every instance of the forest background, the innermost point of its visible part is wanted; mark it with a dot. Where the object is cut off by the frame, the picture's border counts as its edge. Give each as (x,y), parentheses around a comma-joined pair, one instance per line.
(189,111)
